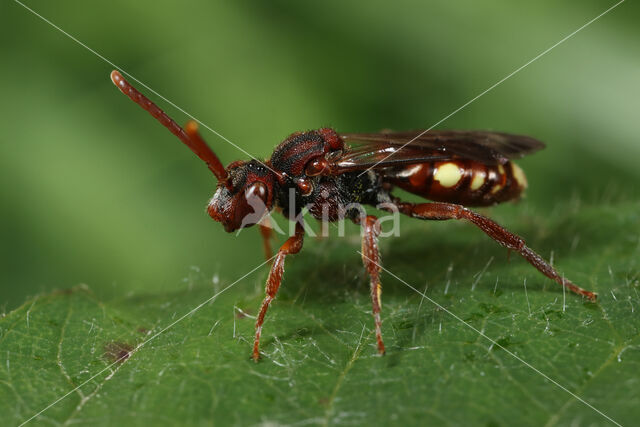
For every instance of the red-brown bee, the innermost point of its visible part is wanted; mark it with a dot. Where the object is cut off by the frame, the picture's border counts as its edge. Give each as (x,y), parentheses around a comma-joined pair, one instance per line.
(330,172)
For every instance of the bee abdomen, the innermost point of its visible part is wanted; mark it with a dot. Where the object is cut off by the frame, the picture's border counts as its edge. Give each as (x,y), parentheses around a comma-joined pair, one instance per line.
(463,182)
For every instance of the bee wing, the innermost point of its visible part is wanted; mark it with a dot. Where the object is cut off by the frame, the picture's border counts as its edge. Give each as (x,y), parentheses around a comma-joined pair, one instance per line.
(382,150)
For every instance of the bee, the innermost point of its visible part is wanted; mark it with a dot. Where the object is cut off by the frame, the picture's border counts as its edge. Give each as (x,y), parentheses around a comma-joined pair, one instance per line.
(330,172)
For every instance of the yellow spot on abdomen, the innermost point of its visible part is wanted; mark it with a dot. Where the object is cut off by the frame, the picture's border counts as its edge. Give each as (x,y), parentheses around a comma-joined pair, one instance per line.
(378,293)
(518,175)
(502,178)
(448,174)
(478,180)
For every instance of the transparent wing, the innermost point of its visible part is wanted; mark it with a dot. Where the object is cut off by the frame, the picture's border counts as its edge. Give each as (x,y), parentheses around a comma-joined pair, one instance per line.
(382,150)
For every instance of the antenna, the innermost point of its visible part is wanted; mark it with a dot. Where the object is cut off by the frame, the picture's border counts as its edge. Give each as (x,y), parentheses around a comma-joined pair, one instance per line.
(191,138)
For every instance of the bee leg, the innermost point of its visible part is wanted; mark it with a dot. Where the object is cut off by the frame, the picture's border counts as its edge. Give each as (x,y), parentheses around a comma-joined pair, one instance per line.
(267,234)
(444,211)
(371,260)
(291,246)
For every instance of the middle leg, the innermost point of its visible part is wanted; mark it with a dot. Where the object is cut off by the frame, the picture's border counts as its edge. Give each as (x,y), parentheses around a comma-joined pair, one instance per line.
(371,260)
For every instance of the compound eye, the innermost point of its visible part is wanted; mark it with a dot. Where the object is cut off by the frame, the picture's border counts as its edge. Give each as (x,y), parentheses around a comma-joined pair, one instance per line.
(257,189)
(316,166)
(250,210)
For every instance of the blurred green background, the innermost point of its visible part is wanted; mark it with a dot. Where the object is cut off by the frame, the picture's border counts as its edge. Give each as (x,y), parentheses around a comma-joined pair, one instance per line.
(94,191)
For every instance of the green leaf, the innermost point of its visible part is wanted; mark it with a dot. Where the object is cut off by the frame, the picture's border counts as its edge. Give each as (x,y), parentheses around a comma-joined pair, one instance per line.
(320,364)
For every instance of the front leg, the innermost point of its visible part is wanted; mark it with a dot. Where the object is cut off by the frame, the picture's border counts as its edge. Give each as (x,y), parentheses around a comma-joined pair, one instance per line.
(267,234)
(291,246)
(371,260)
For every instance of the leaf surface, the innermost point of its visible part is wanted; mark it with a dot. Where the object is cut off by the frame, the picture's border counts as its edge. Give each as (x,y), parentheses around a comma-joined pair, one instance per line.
(320,364)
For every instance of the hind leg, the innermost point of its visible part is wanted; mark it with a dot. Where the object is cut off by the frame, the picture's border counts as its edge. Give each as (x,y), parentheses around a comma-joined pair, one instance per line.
(444,211)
